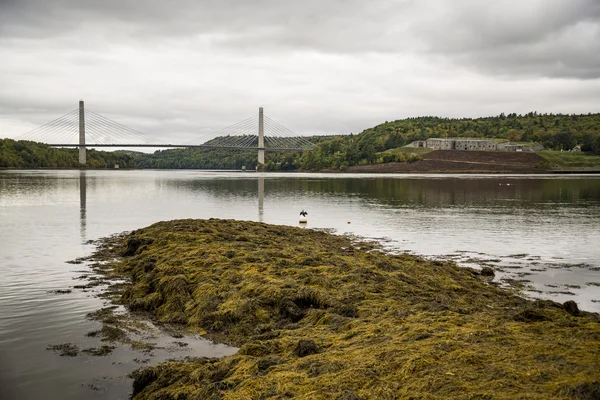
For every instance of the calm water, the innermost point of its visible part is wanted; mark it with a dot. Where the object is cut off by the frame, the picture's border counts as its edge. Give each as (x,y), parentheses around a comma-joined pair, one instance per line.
(543,230)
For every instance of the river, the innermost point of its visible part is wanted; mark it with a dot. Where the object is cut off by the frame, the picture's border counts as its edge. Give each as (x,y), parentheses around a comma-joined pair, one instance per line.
(541,231)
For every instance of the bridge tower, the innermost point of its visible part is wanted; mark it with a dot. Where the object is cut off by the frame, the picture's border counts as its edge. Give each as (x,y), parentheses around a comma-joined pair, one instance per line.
(82,150)
(261,137)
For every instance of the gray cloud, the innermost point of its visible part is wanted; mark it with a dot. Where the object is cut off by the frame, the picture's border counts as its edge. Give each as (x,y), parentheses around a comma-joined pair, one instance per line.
(180,68)
(550,38)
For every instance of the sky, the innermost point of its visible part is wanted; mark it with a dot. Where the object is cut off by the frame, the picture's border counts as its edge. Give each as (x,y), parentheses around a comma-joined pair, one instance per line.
(178,70)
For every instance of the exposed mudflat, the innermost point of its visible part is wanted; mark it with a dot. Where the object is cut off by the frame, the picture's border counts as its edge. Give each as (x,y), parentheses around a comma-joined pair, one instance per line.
(454,161)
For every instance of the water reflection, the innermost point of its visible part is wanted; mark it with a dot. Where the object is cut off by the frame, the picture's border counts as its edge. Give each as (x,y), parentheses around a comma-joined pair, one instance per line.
(261,197)
(82,203)
(427,192)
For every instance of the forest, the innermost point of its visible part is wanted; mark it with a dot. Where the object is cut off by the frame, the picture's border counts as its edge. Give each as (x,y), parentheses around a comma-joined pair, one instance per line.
(557,132)
(373,145)
(25,154)
(337,152)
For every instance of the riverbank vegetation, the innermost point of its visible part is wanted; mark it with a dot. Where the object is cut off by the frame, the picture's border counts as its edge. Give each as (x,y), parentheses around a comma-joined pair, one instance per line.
(384,143)
(194,158)
(320,316)
(373,146)
(571,160)
(553,131)
(25,154)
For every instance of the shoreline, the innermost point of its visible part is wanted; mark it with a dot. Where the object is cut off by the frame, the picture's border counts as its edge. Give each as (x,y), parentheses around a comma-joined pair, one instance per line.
(313,313)
(329,171)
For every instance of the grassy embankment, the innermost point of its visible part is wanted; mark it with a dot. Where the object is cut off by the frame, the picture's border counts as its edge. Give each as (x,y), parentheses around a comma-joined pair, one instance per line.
(571,160)
(409,150)
(317,316)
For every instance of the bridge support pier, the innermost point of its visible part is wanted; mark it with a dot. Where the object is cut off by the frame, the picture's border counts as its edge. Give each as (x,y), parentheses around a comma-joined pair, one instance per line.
(82,150)
(261,138)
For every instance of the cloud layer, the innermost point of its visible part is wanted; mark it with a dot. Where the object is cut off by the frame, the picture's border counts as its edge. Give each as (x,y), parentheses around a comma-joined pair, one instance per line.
(179,69)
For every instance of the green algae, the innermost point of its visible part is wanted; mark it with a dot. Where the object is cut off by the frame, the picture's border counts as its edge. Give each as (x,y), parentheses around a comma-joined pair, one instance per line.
(318,316)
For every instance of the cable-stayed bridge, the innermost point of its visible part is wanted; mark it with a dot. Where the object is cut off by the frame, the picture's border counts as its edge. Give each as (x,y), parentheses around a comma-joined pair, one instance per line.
(84,128)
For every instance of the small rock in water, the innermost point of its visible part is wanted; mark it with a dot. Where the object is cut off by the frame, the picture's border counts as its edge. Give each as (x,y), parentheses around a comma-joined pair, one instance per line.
(60,291)
(487,271)
(104,350)
(65,349)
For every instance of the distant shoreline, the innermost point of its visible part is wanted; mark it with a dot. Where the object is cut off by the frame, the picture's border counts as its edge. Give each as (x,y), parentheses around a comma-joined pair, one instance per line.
(359,170)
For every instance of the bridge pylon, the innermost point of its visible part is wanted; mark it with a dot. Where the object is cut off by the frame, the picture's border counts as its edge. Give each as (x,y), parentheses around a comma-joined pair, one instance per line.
(82,149)
(261,137)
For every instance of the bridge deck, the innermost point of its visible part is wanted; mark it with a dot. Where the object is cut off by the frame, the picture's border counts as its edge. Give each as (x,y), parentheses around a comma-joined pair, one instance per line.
(178,146)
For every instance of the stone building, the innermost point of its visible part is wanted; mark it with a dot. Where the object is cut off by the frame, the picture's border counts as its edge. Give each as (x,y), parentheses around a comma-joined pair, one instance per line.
(468,144)
(520,147)
(471,144)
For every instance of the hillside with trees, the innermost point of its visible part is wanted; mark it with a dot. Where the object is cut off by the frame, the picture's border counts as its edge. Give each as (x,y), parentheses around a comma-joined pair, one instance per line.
(558,132)
(378,145)
(26,154)
(197,158)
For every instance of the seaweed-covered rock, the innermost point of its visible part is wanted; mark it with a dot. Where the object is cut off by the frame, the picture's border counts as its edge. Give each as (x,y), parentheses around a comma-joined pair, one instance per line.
(143,378)
(572,308)
(348,396)
(585,391)
(487,272)
(531,315)
(259,349)
(386,325)
(305,348)
(133,244)
(289,309)
(347,310)
(265,363)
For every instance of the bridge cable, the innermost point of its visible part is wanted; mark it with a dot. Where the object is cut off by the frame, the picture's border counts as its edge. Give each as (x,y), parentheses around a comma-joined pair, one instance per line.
(98,132)
(50,129)
(46,125)
(232,128)
(224,131)
(125,130)
(102,133)
(108,132)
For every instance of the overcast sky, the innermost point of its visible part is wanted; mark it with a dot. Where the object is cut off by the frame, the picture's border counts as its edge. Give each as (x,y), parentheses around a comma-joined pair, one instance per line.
(179,69)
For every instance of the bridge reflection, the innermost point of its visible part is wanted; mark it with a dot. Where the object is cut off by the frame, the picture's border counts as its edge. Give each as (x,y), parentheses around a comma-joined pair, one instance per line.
(83,183)
(82,203)
(261,197)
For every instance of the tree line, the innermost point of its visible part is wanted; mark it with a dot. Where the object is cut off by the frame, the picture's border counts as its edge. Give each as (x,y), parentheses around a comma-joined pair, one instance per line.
(554,131)
(27,154)
(372,146)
